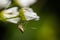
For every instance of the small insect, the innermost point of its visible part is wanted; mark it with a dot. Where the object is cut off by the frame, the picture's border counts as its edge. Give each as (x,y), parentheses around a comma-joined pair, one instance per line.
(20,26)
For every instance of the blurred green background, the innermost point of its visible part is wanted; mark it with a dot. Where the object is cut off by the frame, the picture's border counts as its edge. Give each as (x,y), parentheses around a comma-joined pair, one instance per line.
(44,29)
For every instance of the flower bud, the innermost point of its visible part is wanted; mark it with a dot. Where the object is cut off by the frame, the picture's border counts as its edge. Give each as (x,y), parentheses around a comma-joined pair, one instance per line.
(4,3)
(25,3)
(28,14)
(10,15)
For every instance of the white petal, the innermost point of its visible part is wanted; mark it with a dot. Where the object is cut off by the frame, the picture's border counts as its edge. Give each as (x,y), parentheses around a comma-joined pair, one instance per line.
(4,3)
(30,14)
(13,20)
(8,4)
(12,12)
(32,1)
(26,3)
(37,18)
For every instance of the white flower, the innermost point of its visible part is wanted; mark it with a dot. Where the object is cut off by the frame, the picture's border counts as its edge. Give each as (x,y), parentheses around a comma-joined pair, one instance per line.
(4,3)
(25,3)
(13,20)
(29,14)
(12,12)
